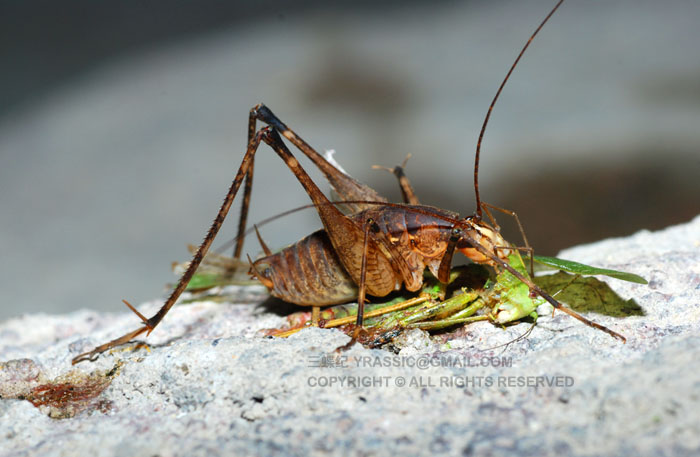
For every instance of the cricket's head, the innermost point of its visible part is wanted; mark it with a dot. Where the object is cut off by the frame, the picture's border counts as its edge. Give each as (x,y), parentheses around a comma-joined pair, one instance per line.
(487,237)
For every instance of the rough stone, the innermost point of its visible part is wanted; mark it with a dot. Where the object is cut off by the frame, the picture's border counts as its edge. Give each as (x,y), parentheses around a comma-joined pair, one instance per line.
(206,383)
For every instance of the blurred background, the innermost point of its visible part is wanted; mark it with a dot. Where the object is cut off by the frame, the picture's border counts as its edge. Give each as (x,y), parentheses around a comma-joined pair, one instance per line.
(123,123)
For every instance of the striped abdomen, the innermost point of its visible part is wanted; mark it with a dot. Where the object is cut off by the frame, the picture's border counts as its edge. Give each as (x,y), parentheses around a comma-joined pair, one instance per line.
(307,273)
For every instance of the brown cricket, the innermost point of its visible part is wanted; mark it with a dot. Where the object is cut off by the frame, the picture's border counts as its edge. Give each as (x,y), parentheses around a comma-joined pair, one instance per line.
(372,247)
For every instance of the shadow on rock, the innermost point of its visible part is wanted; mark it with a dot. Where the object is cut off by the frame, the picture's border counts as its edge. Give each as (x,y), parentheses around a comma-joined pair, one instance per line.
(587,294)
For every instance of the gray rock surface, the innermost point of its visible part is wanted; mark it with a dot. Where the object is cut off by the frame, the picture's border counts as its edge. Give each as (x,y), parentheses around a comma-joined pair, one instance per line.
(208,384)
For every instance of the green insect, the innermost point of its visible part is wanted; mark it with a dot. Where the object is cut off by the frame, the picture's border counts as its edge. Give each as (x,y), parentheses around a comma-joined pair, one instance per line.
(469,296)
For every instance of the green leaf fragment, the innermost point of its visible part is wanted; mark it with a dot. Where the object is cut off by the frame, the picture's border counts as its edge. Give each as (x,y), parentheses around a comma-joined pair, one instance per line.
(582,269)
(204,281)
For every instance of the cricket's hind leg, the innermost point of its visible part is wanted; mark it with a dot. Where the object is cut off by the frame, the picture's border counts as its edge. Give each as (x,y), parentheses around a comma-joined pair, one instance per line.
(332,217)
(247,191)
(345,234)
(150,323)
(346,187)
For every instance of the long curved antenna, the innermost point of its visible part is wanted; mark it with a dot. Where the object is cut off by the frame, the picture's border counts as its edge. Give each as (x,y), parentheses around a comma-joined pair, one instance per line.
(493,102)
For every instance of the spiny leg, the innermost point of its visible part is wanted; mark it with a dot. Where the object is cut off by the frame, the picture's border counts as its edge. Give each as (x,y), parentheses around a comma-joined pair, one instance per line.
(153,321)
(329,214)
(345,185)
(247,191)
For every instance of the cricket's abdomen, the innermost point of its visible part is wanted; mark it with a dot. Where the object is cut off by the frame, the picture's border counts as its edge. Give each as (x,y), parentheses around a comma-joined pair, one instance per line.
(307,273)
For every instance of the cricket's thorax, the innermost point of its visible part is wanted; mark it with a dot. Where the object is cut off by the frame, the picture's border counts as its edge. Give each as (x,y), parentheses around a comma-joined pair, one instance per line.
(412,238)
